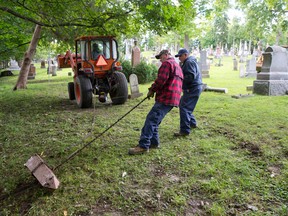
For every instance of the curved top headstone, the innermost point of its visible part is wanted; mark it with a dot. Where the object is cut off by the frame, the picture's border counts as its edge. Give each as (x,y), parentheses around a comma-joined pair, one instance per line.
(275,49)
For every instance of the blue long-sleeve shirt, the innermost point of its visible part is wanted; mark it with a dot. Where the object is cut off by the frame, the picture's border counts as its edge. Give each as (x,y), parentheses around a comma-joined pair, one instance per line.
(191,72)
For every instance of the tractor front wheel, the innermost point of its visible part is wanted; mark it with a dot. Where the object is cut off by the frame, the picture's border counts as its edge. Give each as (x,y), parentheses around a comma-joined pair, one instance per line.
(119,88)
(71,91)
(83,91)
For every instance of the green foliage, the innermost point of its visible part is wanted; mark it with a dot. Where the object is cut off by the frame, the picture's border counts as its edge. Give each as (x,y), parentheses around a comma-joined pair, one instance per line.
(15,35)
(127,68)
(266,20)
(145,72)
(91,17)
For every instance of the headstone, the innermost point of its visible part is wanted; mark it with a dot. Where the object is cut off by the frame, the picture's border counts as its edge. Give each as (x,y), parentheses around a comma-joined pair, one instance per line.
(42,172)
(235,64)
(32,72)
(240,48)
(218,53)
(135,55)
(128,45)
(53,70)
(204,68)
(273,77)
(241,59)
(259,48)
(134,86)
(43,64)
(158,63)
(219,64)
(20,62)
(251,68)
(13,65)
(241,71)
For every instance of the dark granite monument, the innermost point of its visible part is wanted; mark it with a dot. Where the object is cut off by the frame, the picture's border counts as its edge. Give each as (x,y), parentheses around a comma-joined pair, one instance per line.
(273,77)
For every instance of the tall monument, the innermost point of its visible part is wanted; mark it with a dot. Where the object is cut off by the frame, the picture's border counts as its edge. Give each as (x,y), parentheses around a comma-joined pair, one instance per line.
(135,54)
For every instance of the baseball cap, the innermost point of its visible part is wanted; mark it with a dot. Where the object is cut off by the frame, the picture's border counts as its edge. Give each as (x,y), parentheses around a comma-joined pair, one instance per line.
(161,53)
(181,52)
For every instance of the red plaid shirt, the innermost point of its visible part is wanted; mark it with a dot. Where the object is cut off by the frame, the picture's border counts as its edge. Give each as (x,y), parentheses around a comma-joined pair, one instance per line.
(168,85)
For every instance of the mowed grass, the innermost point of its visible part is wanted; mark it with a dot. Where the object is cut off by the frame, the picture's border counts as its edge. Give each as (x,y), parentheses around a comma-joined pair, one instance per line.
(235,163)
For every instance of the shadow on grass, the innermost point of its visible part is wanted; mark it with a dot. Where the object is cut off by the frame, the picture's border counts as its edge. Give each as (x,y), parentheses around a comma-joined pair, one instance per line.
(30,82)
(21,199)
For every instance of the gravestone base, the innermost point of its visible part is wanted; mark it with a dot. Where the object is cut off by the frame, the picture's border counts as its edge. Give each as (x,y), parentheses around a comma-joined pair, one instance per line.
(205,74)
(135,95)
(252,74)
(270,87)
(249,88)
(30,77)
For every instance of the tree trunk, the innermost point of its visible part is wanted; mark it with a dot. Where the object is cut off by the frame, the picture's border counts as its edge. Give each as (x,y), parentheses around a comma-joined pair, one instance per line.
(186,41)
(22,79)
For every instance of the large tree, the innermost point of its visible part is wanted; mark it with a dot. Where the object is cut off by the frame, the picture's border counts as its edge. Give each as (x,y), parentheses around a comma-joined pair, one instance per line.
(266,20)
(64,20)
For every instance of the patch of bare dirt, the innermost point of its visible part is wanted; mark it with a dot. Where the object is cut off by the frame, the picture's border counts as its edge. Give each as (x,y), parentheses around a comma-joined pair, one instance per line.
(196,207)
(274,170)
(252,148)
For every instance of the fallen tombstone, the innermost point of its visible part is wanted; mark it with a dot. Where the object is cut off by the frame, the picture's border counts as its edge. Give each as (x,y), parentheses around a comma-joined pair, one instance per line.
(6,73)
(221,90)
(242,96)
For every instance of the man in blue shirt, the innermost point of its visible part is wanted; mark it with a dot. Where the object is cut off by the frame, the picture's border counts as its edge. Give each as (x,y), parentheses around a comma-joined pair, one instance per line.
(192,88)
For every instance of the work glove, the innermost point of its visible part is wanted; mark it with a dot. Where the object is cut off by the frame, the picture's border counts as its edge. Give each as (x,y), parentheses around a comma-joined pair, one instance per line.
(150,94)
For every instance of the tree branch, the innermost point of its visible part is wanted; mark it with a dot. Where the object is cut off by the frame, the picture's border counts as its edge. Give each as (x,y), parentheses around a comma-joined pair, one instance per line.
(95,24)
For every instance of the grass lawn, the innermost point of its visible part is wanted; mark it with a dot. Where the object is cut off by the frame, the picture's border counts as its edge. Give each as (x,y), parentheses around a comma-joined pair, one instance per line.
(235,163)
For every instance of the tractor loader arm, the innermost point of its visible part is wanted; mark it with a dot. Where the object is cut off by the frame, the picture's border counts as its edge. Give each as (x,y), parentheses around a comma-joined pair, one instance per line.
(68,60)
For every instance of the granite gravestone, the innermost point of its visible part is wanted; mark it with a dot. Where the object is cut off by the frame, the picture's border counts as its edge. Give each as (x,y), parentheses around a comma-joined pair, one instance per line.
(273,77)
(32,72)
(134,86)
(13,65)
(241,71)
(251,68)
(51,68)
(135,55)
(43,64)
(235,64)
(204,67)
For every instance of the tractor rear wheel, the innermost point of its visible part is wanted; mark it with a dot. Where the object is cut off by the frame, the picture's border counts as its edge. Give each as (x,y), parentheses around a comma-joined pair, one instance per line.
(83,91)
(71,91)
(119,88)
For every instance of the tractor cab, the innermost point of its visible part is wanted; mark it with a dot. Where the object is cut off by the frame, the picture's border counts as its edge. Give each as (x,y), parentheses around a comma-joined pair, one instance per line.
(97,54)
(96,71)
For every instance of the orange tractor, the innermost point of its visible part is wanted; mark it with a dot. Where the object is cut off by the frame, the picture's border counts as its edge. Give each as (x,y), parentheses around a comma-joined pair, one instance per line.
(96,71)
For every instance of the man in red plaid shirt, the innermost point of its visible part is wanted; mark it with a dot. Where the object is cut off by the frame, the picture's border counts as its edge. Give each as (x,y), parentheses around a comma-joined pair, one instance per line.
(168,88)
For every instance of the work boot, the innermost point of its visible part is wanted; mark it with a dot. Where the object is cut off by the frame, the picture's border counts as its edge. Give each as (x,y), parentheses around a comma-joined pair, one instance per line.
(180,134)
(154,146)
(137,150)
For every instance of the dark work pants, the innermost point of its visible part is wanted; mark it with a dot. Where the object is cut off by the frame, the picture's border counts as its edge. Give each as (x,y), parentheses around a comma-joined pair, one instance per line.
(188,103)
(149,133)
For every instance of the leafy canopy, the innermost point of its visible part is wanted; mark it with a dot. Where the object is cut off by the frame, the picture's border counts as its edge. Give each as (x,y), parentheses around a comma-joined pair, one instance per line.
(64,20)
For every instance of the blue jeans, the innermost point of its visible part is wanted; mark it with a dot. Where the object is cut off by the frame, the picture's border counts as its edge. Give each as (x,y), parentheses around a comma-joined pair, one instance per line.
(149,133)
(188,103)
